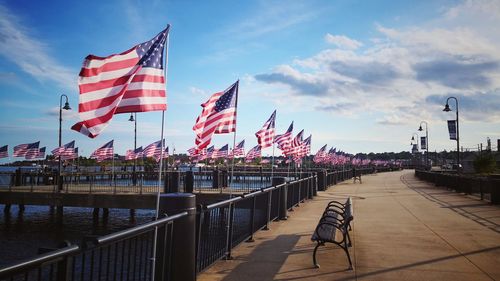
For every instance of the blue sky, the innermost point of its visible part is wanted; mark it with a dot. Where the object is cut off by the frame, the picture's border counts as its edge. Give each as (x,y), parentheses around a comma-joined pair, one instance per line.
(357,75)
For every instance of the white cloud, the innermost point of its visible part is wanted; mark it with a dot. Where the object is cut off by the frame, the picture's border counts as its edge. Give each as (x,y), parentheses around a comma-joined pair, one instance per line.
(342,41)
(30,54)
(405,72)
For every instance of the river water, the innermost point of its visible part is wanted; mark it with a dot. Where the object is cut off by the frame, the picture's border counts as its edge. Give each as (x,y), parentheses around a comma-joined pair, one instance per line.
(23,233)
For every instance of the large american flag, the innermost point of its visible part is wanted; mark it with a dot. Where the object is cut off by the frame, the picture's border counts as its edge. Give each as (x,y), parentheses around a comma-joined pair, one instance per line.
(132,81)
(218,116)
(66,150)
(284,140)
(104,152)
(132,154)
(153,150)
(255,152)
(221,152)
(27,148)
(4,151)
(265,136)
(239,150)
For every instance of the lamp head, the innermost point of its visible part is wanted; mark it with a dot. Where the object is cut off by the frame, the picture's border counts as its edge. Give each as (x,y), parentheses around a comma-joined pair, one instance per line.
(420,128)
(66,106)
(131,119)
(447,108)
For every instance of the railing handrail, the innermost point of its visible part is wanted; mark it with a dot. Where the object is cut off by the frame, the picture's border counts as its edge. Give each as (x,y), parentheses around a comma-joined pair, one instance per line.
(138,229)
(34,262)
(252,194)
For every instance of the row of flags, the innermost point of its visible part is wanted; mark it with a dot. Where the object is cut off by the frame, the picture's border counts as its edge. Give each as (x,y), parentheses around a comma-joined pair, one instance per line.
(134,81)
(69,151)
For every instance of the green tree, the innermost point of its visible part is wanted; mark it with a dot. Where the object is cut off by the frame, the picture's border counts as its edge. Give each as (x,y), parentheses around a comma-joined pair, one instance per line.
(485,163)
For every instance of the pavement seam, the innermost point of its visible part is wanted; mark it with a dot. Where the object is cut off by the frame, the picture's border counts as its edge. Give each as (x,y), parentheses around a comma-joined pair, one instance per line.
(402,178)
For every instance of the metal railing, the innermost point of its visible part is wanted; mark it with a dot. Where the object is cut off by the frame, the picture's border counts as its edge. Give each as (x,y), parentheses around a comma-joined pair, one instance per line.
(124,255)
(486,188)
(224,225)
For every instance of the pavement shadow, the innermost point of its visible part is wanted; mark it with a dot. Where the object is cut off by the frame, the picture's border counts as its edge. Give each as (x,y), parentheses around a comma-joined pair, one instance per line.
(459,209)
(272,255)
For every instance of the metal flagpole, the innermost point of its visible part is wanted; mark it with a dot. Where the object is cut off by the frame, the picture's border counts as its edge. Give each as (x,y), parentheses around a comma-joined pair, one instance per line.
(234,140)
(153,268)
(113,171)
(272,161)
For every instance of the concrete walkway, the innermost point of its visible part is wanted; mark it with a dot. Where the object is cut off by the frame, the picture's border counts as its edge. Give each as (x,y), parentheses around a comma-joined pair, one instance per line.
(404,229)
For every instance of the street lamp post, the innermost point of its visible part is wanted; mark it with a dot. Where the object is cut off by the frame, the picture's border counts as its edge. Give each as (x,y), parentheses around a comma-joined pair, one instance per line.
(426,141)
(447,109)
(416,143)
(133,118)
(66,107)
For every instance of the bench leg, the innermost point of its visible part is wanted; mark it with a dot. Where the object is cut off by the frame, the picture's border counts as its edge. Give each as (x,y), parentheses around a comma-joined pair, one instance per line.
(316,265)
(346,250)
(349,244)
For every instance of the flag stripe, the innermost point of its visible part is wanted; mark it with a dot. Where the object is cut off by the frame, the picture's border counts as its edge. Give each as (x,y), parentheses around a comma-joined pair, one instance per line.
(132,81)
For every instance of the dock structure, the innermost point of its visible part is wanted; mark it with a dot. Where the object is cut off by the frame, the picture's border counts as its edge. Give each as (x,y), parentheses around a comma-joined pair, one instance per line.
(403,229)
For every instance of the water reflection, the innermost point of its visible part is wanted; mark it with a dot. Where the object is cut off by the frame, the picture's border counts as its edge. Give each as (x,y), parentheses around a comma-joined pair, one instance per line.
(23,232)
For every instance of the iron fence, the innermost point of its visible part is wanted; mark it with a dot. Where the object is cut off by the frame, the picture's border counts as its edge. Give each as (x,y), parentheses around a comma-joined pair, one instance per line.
(125,255)
(486,188)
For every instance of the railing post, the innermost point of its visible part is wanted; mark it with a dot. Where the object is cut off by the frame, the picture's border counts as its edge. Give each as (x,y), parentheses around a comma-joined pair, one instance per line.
(310,186)
(64,267)
(268,211)
(229,235)
(321,180)
(252,219)
(282,214)
(215,179)
(183,261)
(18,176)
(189,182)
(494,182)
(173,180)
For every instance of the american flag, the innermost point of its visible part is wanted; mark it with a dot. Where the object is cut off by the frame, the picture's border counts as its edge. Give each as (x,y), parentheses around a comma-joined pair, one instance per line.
(295,145)
(192,152)
(104,152)
(218,116)
(239,150)
(132,81)
(40,153)
(153,150)
(210,152)
(132,154)
(319,157)
(284,140)
(4,151)
(28,148)
(221,152)
(305,147)
(65,150)
(70,154)
(265,136)
(165,155)
(202,154)
(255,152)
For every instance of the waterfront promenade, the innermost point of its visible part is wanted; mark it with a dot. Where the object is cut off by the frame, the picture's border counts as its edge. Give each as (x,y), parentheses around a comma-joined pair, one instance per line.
(403,229)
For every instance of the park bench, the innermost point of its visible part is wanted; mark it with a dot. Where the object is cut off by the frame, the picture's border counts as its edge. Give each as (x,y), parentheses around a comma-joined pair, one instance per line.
(335,221)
